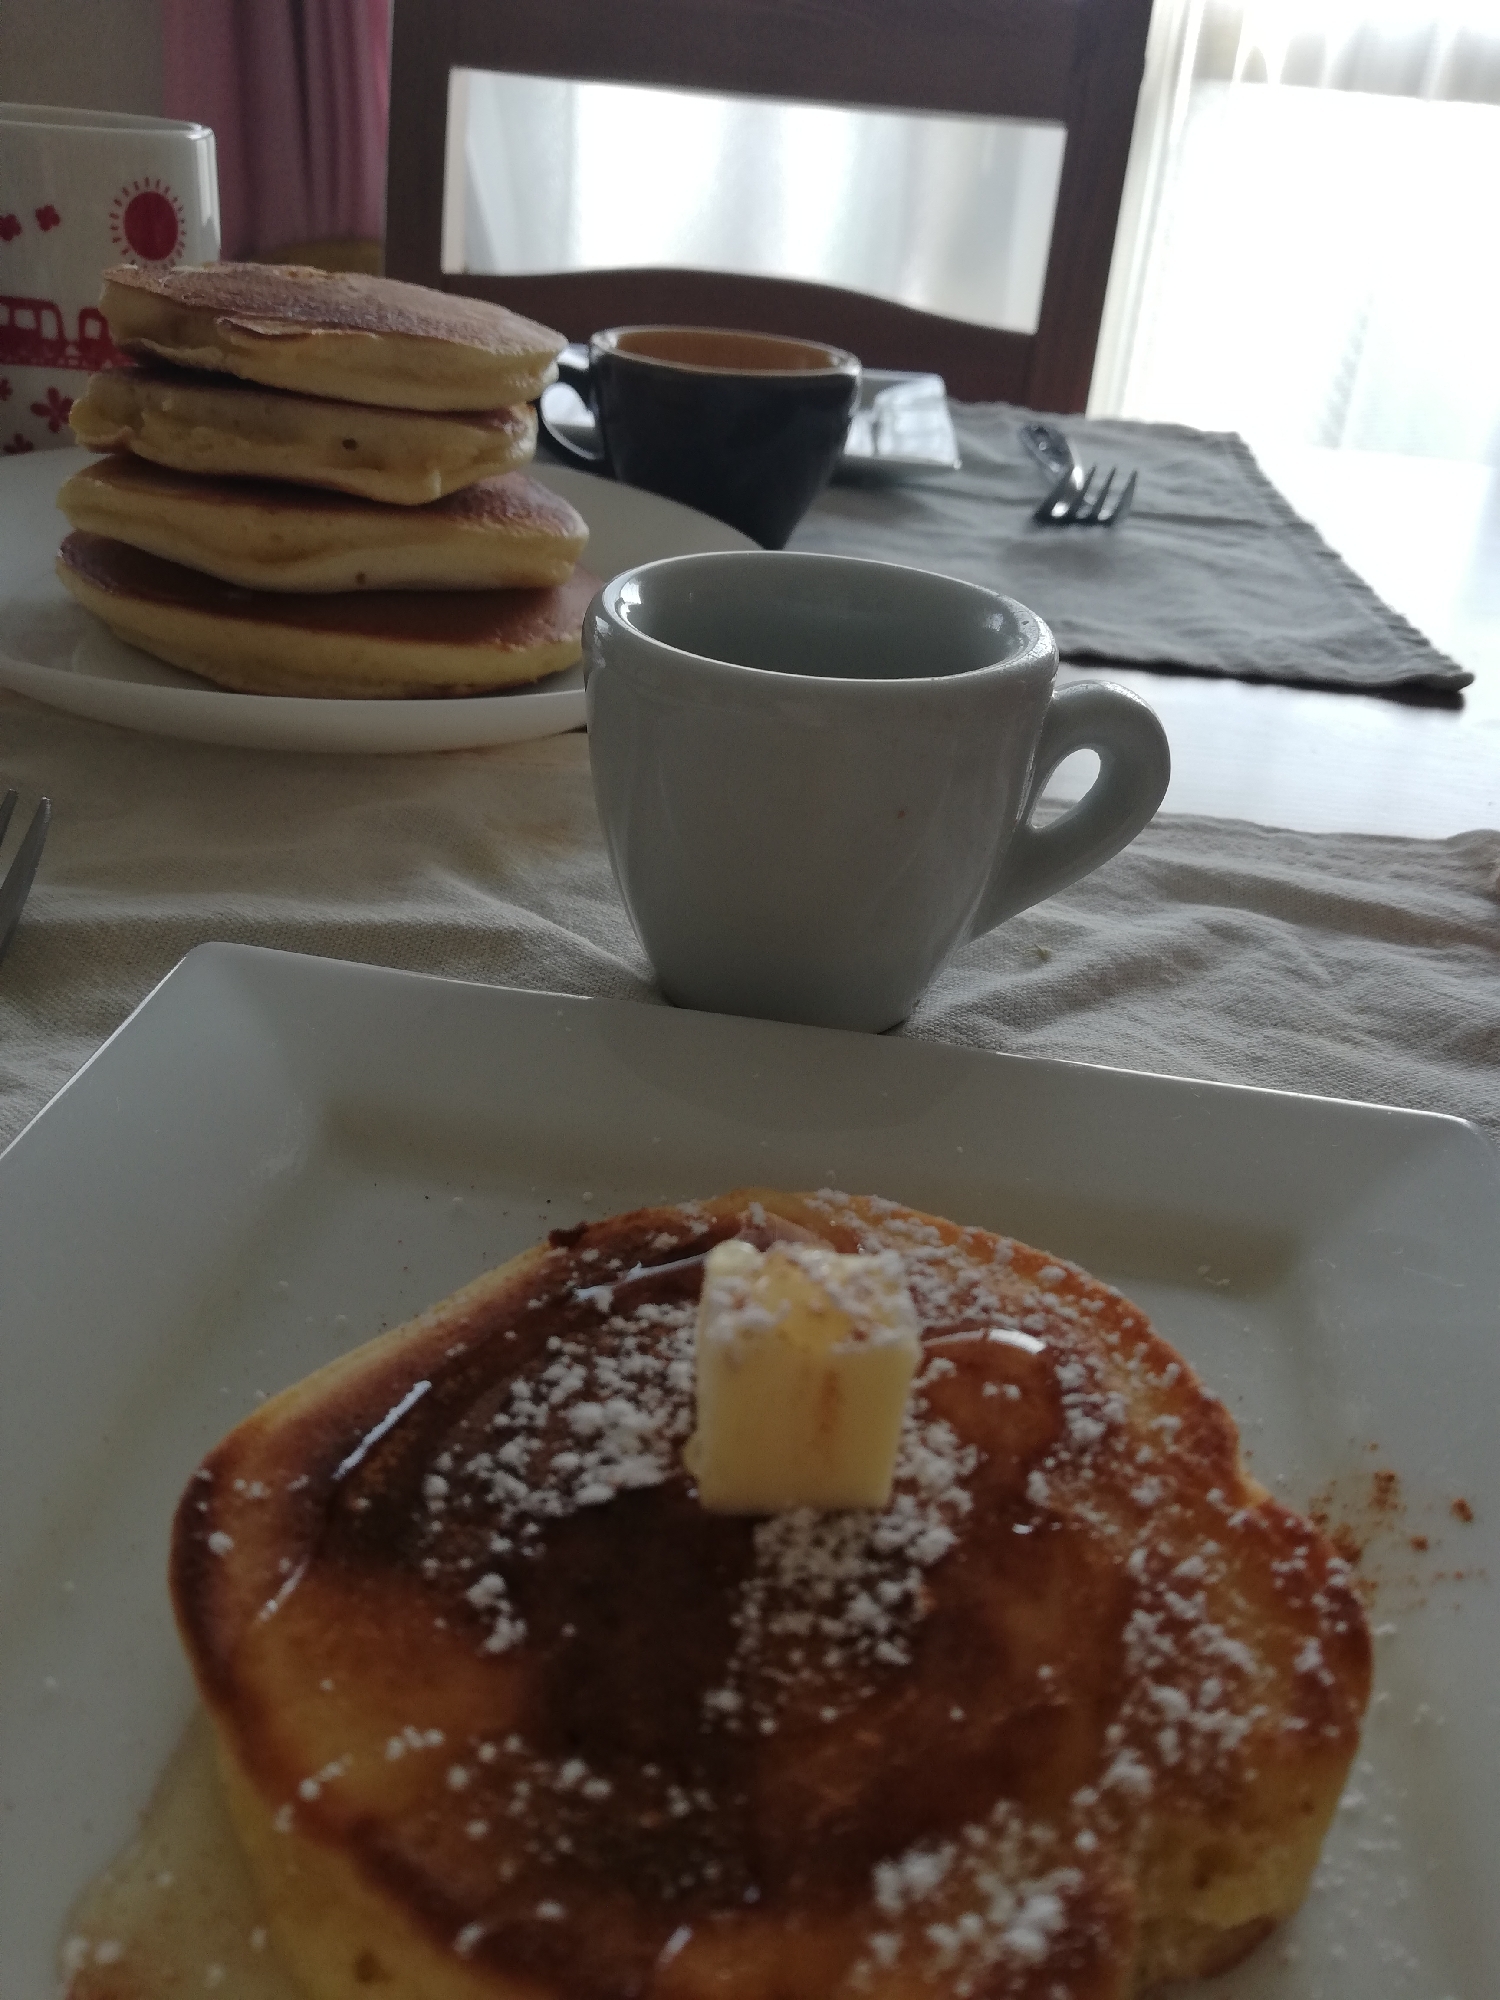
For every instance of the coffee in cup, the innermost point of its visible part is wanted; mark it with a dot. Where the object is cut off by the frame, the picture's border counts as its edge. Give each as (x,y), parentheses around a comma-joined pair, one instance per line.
(816,775)
(744,426)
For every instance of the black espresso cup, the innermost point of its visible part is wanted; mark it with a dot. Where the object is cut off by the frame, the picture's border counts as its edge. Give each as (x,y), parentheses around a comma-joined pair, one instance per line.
(744,426)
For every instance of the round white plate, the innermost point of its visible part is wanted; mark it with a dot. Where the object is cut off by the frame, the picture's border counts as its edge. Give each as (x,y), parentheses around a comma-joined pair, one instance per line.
(55,651)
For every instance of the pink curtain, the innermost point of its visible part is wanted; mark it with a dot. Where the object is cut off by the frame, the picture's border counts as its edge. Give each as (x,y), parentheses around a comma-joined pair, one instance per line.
(298,95)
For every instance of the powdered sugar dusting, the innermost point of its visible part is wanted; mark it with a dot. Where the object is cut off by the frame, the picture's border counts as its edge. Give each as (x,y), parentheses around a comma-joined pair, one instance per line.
(870,1292)
(605,1414)
(996,1897)
(835,1593)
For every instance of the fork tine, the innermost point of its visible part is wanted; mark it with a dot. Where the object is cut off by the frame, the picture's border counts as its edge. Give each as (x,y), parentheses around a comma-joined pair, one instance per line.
(1064,505)
(1080,500)
(17,884)
(1067,489)
(1096,506)
(1122,506)
(7,807)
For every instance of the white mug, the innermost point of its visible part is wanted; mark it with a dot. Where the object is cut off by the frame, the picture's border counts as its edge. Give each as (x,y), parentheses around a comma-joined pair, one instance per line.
(816,774)
(79,191)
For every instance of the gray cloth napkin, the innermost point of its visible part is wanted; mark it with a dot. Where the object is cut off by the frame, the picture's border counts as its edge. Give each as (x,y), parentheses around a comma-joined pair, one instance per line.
(1211,572)
(1356,967)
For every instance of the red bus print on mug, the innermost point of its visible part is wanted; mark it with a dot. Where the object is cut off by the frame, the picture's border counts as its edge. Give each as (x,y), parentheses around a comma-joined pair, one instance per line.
(84,190)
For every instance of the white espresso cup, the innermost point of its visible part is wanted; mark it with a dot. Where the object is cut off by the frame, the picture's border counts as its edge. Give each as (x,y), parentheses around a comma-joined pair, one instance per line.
(815,775)
(79,191)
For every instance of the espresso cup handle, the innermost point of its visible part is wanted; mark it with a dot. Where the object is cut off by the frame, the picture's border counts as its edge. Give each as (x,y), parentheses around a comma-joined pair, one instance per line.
(1134,766)
(573,368)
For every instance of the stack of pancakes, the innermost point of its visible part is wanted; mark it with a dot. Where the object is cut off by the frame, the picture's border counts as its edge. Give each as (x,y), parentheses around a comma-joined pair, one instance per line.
(312,486)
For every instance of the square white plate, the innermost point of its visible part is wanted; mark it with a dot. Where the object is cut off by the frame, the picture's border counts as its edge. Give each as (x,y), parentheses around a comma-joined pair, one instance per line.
(277,1156)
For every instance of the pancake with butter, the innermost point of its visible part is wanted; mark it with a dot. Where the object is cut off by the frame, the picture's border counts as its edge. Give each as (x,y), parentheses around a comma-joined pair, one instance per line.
(222,427)
(502,532)
(504,1713)
(340,334)
(371,644)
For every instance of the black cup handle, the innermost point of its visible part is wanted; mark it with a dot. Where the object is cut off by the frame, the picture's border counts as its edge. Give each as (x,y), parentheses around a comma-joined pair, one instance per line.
(573,368)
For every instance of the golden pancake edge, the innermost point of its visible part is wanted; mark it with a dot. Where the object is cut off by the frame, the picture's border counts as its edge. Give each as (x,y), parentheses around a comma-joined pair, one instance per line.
(503,1712)
(339,334)
(504,532)
(371,644)
(221,426)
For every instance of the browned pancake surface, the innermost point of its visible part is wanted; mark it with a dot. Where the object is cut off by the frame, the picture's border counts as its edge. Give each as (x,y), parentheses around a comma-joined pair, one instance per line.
(505,500)
(269,299)
(510,619)
(156,374)
(455,1606)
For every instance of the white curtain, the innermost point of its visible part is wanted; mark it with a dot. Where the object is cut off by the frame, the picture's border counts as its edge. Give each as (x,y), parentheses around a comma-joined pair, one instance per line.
(948,214)
(1309,250)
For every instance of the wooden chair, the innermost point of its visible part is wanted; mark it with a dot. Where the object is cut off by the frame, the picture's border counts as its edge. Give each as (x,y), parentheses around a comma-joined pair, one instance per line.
(1073,62)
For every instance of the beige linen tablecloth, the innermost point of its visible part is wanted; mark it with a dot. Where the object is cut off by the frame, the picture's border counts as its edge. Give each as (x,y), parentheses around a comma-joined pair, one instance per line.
(1355,967)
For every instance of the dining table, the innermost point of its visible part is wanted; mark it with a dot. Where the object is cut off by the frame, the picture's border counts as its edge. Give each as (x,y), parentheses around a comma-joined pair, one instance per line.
(1425,534)
(388,1011)
(1290,807)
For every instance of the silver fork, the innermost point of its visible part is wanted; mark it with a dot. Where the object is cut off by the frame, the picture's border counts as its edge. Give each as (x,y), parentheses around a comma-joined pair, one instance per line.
(18,877)
(1077,501)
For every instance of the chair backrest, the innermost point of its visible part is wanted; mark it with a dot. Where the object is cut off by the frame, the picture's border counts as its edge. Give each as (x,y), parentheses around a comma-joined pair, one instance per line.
(1077,63)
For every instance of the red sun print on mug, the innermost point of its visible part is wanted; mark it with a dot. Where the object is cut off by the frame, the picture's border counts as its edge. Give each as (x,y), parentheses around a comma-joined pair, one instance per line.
(146,222)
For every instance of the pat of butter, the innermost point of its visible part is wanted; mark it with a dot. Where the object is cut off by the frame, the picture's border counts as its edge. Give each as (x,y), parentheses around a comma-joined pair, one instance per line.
(804,1362)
